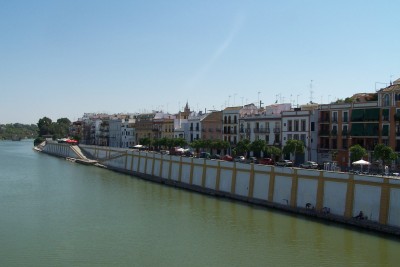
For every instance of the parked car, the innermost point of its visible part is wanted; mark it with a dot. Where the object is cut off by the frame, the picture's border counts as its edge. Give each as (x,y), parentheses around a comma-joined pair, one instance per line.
(205,155)
(309,165)
(227,158)
(284,163)
(215,156)
(267,161)
(240,159)
(252,160)
(188,153)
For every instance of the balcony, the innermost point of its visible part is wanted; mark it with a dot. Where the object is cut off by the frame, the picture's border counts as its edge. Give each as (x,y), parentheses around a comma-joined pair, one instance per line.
(323,133)
(261,130)
(324,119)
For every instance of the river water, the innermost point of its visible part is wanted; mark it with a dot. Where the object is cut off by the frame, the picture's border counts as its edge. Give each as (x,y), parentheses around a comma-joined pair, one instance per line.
(57,213)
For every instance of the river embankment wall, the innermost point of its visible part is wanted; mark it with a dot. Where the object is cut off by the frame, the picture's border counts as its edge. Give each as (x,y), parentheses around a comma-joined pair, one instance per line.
(334,196)
(60,150)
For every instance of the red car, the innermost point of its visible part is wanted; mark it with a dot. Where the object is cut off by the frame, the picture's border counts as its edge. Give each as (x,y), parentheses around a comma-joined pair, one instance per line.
(266,161)
(227,158)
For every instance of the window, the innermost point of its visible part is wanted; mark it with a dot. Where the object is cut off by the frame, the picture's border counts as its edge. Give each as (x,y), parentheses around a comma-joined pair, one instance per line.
(289,125)
(345,116)
(334,116)
(267,138)
(345,130)
(277,138)
(334,144)
(289,137)
(303,138)
(312,126)
(234,119)
(386,100)
(303,125)
(296,125)
(296,137)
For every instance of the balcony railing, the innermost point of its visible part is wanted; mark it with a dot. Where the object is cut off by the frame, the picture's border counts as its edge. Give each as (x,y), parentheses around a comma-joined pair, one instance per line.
(277,130)
(261,130)
(324,120)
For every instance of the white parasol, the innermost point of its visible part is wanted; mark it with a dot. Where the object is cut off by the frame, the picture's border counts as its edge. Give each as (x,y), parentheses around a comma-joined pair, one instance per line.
(361,162)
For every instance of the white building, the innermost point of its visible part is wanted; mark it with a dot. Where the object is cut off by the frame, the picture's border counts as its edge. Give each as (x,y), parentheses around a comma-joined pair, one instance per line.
(300,125)
(115,132)
(128,133)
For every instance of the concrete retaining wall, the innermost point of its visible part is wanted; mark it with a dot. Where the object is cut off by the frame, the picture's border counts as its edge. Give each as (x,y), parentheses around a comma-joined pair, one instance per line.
(309,192)
(60,150)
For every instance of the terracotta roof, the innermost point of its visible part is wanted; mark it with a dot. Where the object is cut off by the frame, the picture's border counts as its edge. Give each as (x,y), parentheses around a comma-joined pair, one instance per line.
(391,88)
(234,108)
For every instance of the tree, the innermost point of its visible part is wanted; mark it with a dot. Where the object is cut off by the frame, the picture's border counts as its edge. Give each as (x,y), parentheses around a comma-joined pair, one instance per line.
(257,146)
(196,145)
(384,153)
(357,152)
(219,145)
(294,147)
(44,126)
(181,142)
(145,141)
(273,151)
(242,147)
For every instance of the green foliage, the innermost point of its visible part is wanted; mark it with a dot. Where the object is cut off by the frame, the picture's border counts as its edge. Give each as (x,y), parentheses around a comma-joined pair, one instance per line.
(293,147)
(357,152)
(242,147)
(59,129)
(384,153)
(18,130)
(219,144)
(146,141)
(197,144)
(273,151)
(258,145)
(38,141)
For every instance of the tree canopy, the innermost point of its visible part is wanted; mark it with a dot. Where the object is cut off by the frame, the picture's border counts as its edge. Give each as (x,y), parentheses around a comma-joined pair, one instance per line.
(18,130)
(384,153)
(357,152)
(293,147)
(58,129)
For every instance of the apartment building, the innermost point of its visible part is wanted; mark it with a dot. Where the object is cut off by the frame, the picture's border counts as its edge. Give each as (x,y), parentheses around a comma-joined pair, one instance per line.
(231,116)
(212,126)
(299,124)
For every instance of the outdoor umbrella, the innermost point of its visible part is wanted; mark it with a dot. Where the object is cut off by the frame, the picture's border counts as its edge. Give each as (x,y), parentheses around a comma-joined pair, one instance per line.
(361,162)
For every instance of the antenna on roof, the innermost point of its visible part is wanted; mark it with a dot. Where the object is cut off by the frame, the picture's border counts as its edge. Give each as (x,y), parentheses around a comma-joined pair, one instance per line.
(311,92)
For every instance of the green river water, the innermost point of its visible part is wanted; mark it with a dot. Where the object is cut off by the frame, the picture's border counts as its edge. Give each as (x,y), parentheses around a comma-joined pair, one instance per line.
(57,213)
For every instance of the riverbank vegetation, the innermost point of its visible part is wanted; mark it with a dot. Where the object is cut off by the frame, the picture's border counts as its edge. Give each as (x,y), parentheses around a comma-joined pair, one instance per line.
(47,128)
(18,131)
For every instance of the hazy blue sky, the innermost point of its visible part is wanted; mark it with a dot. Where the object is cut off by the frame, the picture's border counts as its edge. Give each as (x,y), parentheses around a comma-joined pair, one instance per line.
(64,58)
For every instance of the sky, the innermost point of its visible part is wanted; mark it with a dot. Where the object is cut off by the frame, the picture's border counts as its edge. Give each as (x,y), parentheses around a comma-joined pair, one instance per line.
(61,59)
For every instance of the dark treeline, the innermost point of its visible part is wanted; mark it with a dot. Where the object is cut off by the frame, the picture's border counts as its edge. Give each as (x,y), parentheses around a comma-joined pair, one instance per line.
(16,131)
(47,128)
